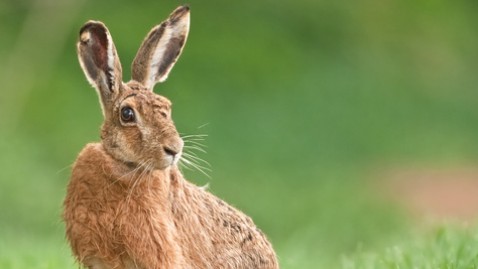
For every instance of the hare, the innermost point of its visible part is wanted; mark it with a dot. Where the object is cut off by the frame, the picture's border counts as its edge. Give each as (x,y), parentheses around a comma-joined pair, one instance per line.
(127,203)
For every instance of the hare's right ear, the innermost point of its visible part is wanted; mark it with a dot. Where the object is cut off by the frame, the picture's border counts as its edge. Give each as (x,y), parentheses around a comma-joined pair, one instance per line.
(100,62)
(161,49)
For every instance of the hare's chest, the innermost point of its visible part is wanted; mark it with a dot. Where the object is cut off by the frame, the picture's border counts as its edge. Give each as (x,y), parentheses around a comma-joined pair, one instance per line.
(146,227)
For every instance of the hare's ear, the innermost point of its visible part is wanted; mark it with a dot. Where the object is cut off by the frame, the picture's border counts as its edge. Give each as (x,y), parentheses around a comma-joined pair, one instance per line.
(99,60)
(161,49)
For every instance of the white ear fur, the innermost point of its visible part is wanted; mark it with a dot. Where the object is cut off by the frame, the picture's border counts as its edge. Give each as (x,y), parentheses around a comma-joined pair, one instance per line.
(99,61)
(161,49)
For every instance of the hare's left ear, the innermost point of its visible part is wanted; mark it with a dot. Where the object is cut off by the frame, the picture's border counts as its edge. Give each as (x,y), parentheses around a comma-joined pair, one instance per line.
(100,62)
(161,49)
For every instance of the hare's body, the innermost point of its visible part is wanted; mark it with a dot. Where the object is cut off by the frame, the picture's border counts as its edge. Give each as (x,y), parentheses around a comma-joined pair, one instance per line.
(127,204)
(118,219)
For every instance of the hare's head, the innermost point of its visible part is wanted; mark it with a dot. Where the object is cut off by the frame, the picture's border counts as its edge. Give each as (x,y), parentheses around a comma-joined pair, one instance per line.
(137,128)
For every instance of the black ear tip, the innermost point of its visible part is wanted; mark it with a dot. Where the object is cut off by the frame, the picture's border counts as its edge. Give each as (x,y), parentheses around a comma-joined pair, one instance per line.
(93,26)
(179,13)
(181,10)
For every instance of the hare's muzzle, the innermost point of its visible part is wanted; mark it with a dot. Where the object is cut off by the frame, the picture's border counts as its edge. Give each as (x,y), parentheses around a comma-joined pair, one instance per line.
(170,151)
(173,148)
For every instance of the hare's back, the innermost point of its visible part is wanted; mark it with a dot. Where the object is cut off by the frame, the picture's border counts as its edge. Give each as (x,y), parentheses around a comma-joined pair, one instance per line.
(229,238)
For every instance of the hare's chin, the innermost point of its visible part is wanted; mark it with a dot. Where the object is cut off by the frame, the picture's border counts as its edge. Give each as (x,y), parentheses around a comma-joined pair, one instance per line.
(167,161)
(177,158)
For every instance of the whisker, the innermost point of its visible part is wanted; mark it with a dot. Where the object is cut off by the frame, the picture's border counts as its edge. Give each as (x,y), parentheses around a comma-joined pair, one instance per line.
(183,164)
(150,172)
(196,158)
(195,148)
(202,172)
(195,143)
(192,161)
(135,181)
(191,152)
(204,125)
(197,167)
(205,187)
(143,165)
(64,168)
(134,171)
(198,161)
(194,135)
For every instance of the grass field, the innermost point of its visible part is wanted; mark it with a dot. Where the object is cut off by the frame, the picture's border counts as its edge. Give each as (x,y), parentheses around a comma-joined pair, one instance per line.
(305,104)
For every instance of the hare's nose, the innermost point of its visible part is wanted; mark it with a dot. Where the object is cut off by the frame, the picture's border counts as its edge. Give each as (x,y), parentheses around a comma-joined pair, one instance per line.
(170,151)
(173,146)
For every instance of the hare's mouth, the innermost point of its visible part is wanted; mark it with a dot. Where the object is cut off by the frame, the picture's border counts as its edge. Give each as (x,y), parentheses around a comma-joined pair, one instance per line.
(172,156)
(167,158)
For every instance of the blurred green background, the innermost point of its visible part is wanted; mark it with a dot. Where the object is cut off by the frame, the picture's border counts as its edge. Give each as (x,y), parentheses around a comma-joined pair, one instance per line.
(302,101)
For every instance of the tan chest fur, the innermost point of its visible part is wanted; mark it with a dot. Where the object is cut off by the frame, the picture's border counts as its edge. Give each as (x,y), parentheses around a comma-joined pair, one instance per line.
(120,219)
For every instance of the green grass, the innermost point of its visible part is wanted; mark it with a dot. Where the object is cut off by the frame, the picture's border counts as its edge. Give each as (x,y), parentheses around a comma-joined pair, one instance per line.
(303,102)
(27,250)
(444,247)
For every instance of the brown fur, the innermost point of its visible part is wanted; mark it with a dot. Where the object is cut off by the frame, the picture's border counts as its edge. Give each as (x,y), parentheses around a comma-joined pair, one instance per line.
(127,204)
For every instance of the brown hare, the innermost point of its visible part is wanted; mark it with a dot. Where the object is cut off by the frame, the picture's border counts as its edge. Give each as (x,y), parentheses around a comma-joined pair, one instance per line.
(127,204)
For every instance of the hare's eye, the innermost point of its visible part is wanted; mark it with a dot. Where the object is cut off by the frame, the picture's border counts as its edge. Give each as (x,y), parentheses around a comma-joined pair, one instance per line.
(127,114)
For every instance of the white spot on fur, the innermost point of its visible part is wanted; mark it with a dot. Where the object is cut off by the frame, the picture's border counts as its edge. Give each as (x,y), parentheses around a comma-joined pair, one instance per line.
(85,37)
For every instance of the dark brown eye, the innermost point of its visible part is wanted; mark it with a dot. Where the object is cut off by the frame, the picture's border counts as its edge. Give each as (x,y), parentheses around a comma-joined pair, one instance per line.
(127,114)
